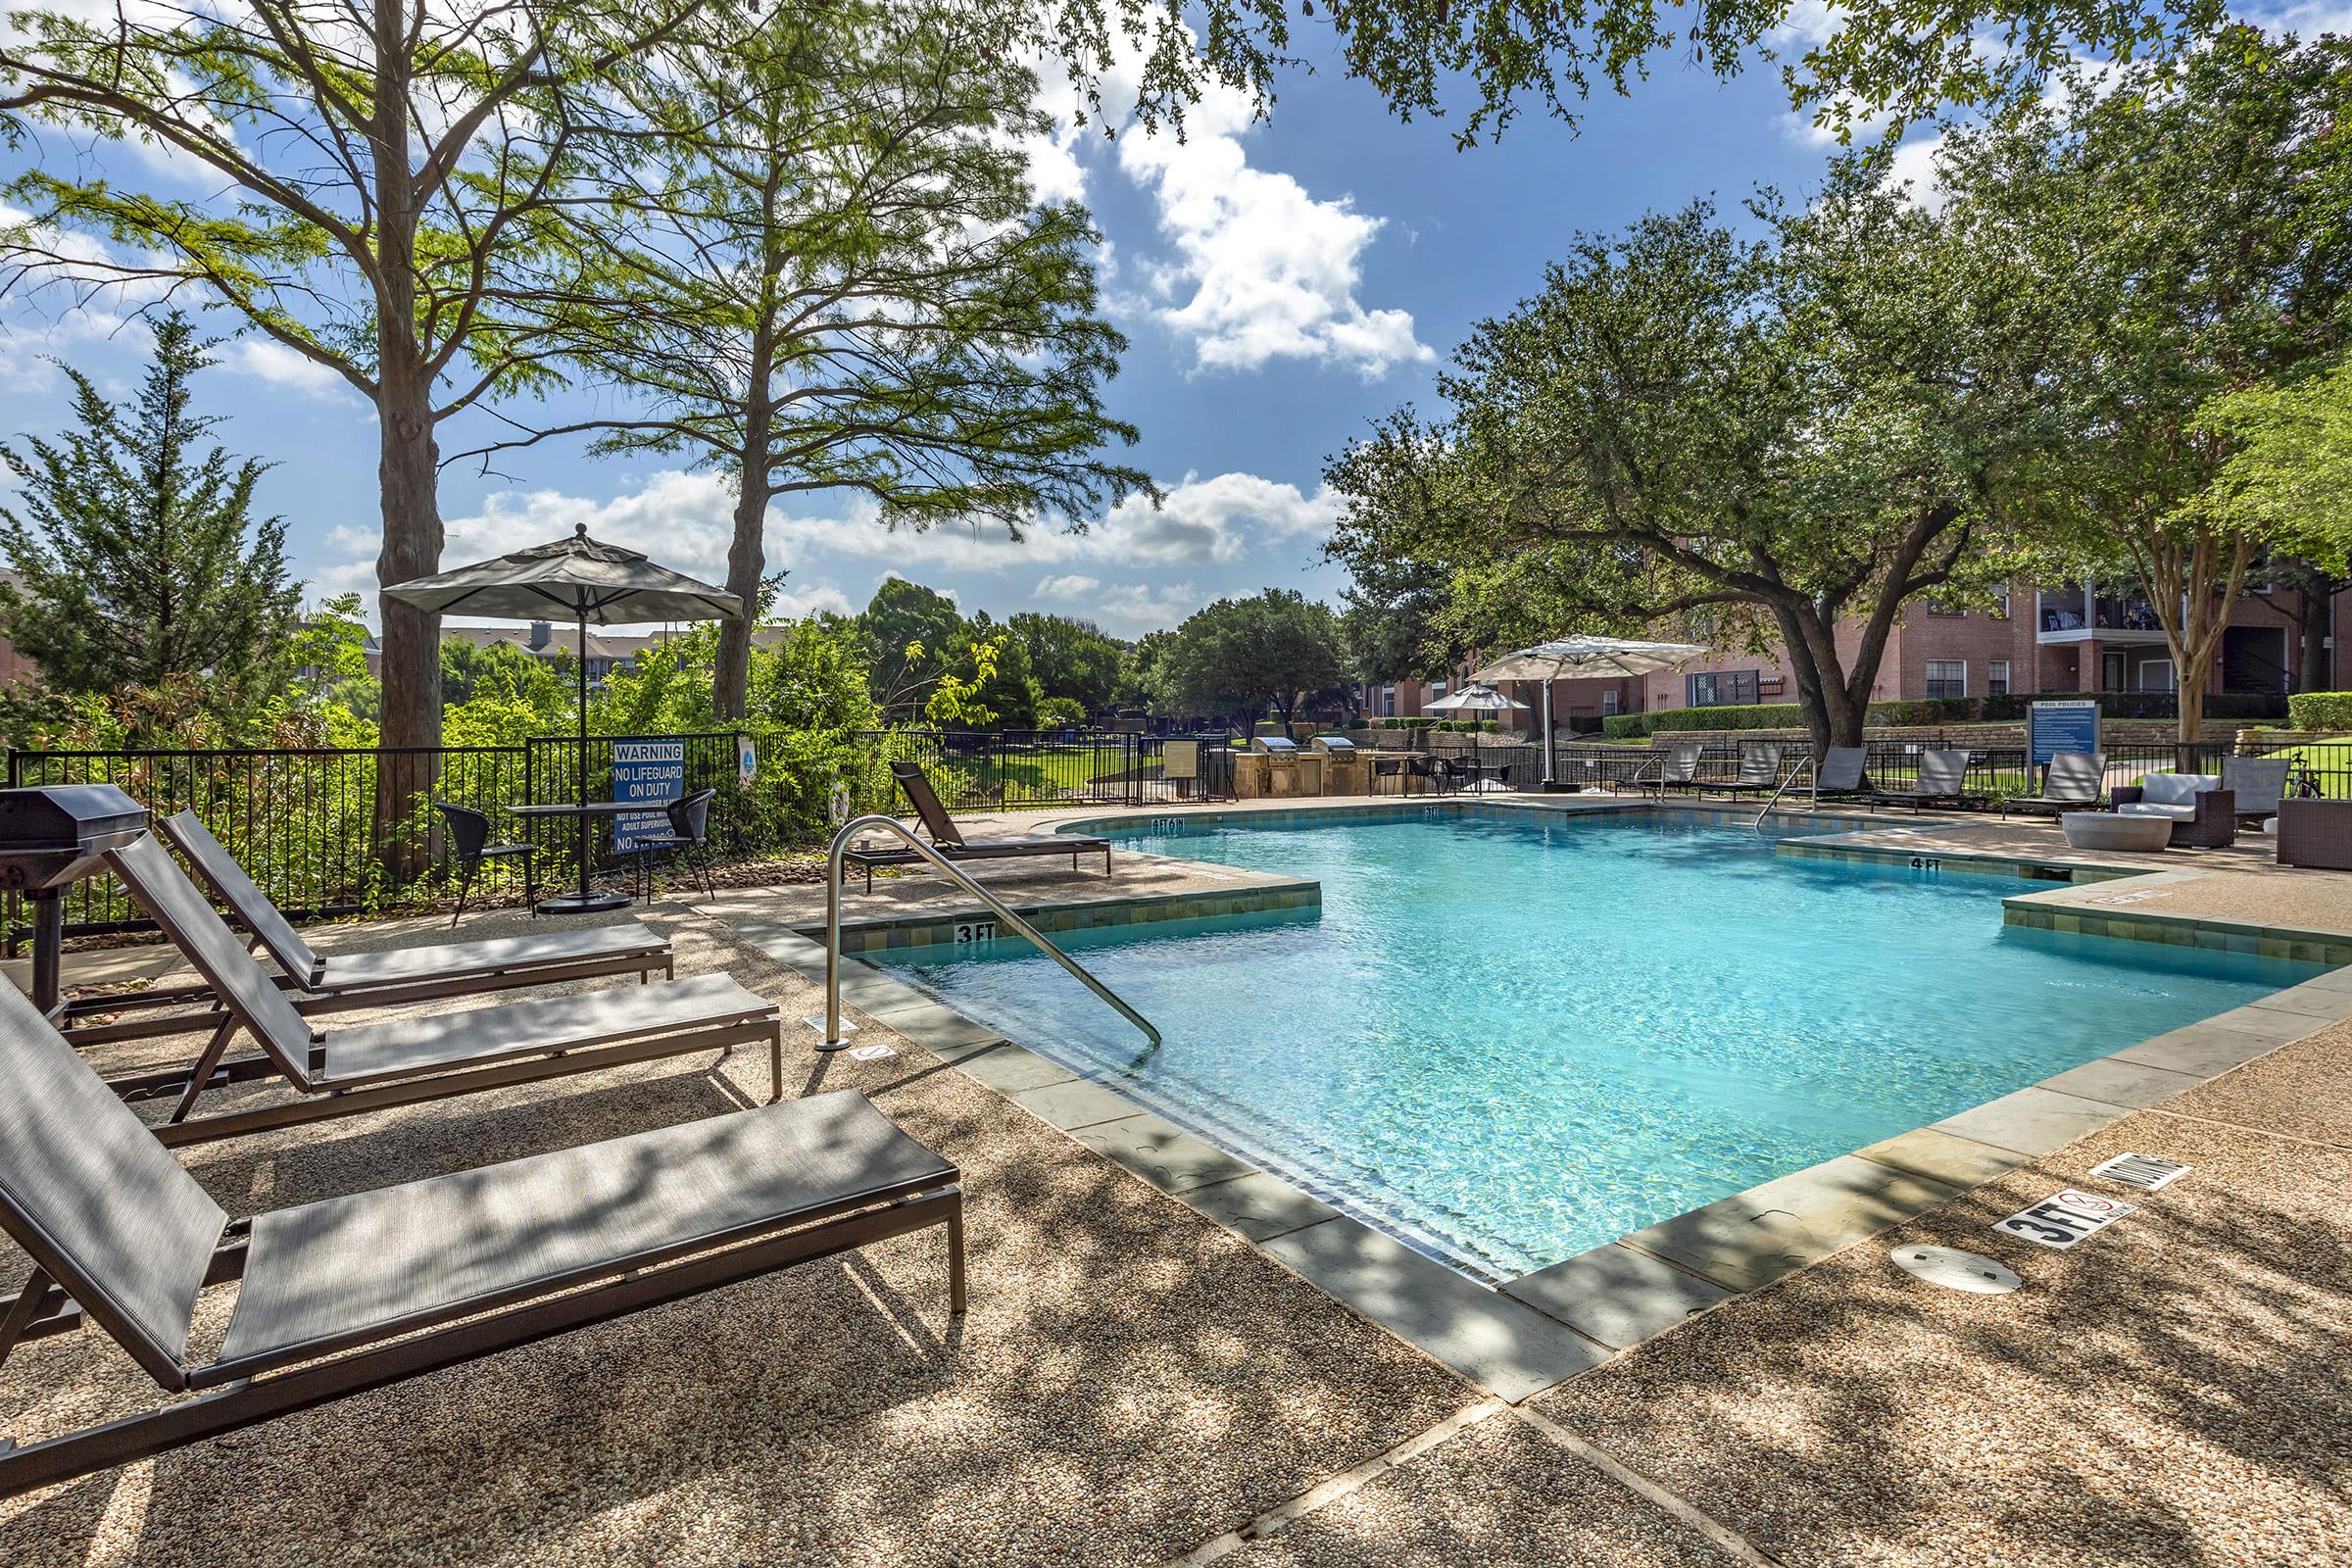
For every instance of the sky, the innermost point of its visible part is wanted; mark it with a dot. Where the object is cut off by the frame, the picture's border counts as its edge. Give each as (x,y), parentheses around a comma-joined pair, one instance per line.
(1281,283)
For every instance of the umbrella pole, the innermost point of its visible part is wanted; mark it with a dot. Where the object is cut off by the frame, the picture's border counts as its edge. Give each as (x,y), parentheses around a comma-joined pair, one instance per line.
(1548,735)
(580,779)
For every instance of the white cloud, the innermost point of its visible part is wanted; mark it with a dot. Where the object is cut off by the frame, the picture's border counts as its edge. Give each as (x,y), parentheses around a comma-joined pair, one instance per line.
(1261,269)
(1066,587)
(1135,607)
(817,597)
(272,362)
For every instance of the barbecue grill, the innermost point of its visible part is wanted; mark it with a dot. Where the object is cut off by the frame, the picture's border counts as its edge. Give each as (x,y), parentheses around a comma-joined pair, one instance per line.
(1338,747)
(49,840)
(1280,746)
(1346,769)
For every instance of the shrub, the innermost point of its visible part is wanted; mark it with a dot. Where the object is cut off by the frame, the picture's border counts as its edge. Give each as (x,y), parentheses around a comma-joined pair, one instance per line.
(2140,705)
(1055,711)
(2320,711)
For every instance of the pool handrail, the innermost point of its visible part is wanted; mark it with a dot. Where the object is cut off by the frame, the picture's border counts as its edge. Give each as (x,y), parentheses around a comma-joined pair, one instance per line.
(834,1037)
(1810,767)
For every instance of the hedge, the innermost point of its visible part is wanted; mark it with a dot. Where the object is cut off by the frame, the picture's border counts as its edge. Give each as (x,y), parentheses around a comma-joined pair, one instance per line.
(2141,705)
(2320,711)
(1785,715)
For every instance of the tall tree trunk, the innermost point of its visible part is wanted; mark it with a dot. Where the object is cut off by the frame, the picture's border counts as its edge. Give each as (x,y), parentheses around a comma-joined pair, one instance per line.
(407,468)
(747,555)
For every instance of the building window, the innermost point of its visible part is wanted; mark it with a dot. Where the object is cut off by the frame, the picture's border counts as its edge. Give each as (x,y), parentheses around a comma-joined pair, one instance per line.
(1996,678)
(1608,703)
(1948,677)
(2000,603)
(2156,676)
(1728,688)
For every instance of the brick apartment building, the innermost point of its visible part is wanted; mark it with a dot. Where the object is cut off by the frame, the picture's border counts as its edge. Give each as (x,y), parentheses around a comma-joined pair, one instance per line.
(2068,638)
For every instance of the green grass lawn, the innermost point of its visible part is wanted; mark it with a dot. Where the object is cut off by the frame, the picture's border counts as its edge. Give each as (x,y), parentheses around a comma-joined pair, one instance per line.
(2329,761)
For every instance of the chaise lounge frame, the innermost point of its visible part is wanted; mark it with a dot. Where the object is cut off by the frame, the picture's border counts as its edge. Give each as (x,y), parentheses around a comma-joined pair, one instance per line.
(550,1037)
(122,1237)
(950,842)
(336,982)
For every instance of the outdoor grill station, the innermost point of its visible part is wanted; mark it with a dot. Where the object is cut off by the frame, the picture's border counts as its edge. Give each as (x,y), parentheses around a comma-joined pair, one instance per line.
(1273,768)
(50,839)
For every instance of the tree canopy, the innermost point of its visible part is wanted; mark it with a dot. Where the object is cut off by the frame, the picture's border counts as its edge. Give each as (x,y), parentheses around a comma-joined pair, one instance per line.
(1240,656)
(139,559)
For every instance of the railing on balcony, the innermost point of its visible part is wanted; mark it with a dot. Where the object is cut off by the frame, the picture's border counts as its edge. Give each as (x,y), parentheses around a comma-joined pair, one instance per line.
(2075,610)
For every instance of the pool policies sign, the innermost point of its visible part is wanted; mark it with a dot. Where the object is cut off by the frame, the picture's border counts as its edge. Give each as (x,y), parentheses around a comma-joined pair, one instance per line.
(2054,727)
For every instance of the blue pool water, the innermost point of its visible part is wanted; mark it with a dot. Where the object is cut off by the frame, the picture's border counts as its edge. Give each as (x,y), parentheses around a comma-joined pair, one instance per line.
(1506,1041)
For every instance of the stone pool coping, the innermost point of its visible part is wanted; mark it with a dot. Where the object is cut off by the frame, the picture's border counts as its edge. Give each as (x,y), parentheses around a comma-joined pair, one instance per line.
(1526,1335)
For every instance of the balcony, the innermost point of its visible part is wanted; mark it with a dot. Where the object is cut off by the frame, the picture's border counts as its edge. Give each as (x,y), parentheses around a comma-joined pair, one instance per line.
(2077,613)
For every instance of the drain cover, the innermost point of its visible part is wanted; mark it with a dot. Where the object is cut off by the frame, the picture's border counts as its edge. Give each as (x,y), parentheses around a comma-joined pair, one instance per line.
(1955,1270)
(873,1053)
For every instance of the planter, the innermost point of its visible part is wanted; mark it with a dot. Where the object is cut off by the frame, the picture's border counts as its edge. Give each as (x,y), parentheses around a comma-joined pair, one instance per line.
(2105,830)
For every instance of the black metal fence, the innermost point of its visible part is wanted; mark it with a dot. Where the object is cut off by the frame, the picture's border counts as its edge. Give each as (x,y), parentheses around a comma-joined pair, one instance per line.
(1032,769)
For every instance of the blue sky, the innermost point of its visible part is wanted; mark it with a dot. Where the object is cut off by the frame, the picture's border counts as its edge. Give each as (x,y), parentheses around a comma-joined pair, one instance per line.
(1281,283)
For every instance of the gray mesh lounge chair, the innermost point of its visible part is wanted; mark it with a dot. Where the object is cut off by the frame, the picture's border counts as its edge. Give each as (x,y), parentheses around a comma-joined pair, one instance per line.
(955,846)
(351,1293)
(1759,770)
(1678,767)
(2075,782)
(2258,782)
(1844,775)
(1943,777)
(328,982)
(404,1061)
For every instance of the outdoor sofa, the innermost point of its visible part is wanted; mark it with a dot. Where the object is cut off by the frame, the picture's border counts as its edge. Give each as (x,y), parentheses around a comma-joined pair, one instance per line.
(2073,781)
(953,846)
(2203,815)
(2316,833)
(2258,782)
(404,1061)
(351,1293)
(336,981)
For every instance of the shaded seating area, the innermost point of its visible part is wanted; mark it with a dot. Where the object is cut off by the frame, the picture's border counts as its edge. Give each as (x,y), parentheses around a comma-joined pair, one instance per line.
(404,1061)
(687,835)
(950,842)
(353,1293)
(2073,781)
(470,848)
(331,981)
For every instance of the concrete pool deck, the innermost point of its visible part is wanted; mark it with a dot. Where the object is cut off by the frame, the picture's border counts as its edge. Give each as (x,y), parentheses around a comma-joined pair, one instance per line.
(1156,1370)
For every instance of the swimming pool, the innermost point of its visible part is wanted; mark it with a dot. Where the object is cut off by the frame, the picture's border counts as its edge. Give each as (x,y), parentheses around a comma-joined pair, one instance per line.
(1506,1040)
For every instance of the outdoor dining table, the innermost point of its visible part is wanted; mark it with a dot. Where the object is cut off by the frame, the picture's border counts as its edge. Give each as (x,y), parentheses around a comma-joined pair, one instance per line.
(587,900)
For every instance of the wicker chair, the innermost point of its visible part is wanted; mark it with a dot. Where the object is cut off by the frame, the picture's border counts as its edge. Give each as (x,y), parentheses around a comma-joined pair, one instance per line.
(2316,833)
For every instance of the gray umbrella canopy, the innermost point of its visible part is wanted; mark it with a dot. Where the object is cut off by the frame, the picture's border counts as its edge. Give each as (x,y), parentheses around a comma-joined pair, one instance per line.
(579,579)
(1475,700)
(1578,657)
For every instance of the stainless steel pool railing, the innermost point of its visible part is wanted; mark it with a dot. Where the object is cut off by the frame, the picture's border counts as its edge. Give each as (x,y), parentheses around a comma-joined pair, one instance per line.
(835,1037)
(1812,773)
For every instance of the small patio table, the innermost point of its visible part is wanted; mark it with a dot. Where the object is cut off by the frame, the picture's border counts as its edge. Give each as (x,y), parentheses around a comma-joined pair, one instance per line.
(587,900)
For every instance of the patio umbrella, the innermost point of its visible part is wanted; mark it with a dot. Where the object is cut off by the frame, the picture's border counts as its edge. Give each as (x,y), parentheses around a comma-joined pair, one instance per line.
(579,579)
(1476,698)
(1572,658)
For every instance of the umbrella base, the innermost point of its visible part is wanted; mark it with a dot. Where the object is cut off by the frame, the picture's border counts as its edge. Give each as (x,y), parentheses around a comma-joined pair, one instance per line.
(584,904)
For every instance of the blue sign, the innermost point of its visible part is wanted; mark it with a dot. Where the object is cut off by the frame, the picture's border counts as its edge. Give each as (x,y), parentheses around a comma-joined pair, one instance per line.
(2056,727)
(652,771)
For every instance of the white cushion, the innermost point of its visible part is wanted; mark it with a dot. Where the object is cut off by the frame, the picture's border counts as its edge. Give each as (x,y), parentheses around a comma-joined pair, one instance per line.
(2176,788)
(2178,813)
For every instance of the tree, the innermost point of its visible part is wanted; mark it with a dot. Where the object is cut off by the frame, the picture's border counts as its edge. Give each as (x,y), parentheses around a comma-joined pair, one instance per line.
(394,164)
(1243,656)
(996,664)
(2194,224)
(1758,441)
(2285,480)
(911,635)
(471,669)
(141,560)
(833,276)
(1074,661)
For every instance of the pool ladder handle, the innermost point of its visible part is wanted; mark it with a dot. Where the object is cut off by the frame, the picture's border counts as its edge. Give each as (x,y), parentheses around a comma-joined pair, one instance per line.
(835,1037)
(1810,768)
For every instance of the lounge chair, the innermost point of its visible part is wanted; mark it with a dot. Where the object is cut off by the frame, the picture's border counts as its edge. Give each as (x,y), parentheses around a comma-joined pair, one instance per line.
(352,1293)
(334,981)
(404,1061)
(1759,770)
(1942,778)
(2203,815)
(1678,767)
(2073,781)
(2258,782)
(955,846)
(1843,775)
